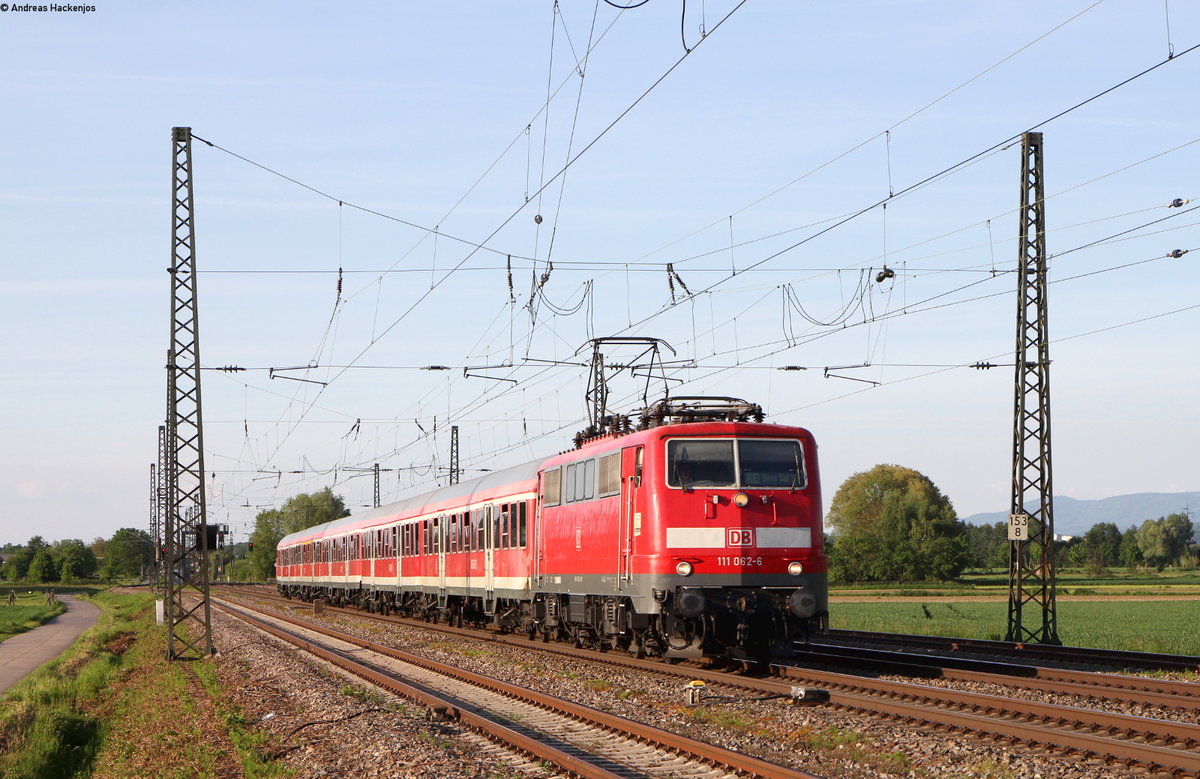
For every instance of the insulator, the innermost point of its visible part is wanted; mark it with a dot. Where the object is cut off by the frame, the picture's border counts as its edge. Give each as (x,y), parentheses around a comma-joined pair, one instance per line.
(1177,253)
(1178,203)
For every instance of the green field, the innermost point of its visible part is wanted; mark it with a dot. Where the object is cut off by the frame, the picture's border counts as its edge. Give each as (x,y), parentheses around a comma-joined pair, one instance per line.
(1070,582)
(29,611)
(1167,626)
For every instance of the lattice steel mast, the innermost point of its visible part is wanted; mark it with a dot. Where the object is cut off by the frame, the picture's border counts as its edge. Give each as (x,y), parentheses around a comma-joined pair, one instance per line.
(455,472)
(158,532)
(1031,531)
(189,624)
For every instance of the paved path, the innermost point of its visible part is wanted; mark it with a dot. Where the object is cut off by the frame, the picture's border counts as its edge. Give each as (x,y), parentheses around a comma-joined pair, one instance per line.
(24,653)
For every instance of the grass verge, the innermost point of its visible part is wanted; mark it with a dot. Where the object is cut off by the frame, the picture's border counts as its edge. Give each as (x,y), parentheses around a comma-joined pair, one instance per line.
(111,706)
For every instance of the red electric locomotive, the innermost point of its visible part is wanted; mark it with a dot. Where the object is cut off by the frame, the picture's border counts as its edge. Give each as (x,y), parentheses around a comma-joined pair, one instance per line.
(698,535)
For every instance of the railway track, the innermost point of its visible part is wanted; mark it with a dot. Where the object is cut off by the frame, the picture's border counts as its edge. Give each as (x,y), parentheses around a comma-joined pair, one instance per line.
(579,740)
(1154,745)
(1106,686)
(1109,659)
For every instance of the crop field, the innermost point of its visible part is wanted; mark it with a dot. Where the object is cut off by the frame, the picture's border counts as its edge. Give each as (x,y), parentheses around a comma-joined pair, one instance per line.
(1151,625)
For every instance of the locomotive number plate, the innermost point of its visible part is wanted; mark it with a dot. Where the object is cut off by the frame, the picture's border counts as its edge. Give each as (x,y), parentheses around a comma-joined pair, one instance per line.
(740,561)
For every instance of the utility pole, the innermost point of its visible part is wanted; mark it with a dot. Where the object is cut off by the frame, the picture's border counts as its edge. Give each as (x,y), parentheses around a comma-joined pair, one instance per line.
(1031,531)
(376,503)
(455,472)
(189,624)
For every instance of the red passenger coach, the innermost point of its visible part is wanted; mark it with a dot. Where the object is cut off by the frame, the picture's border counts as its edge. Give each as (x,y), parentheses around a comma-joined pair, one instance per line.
(697,535)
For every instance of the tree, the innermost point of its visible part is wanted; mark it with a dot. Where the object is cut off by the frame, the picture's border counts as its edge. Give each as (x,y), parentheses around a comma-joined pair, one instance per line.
(74,560)
(128,553)
(1102,545)
(42,567)
(892,524)
(1163,540)
(16,567)
(302,511)
(987,545)
(1131,552)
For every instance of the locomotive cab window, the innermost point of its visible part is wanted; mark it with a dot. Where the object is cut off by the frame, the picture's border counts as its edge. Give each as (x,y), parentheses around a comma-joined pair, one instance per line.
(768,464)
(755,463)
(692,463)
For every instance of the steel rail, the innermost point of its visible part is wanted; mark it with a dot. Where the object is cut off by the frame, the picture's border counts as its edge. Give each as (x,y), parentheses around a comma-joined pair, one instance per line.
(664,739)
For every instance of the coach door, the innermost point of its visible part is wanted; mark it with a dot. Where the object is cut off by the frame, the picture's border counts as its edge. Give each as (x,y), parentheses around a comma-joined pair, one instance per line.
(439,548)
(632,503)
(489,560)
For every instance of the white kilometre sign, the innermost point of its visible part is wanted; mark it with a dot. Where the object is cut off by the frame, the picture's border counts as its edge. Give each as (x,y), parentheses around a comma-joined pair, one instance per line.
(1018,527)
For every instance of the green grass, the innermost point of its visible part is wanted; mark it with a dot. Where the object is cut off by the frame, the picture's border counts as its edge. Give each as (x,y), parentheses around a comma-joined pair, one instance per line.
(112,704)
(1143,626)
(30,611)
(46,730)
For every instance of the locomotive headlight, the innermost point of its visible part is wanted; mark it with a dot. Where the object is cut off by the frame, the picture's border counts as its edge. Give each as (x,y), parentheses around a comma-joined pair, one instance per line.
(741,500)
(795,569)
(684,568)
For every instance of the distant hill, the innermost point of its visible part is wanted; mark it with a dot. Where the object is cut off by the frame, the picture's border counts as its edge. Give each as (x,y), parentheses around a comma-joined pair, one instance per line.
(1075,517)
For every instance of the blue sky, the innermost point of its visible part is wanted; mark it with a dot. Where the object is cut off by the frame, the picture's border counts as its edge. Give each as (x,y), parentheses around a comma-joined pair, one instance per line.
(729,163)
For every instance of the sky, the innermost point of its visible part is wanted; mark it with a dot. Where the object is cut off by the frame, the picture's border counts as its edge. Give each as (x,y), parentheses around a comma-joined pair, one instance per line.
(729,177)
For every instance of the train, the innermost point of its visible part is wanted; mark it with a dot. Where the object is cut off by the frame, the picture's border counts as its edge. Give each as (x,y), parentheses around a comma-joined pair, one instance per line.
(696,534)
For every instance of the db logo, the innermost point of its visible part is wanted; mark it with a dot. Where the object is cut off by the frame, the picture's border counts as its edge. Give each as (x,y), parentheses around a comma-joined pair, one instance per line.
(741,536)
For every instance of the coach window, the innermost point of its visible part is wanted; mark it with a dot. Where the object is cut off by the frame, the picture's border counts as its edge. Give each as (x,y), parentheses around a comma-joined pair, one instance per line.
(521,509)
(505,526)
(552,486)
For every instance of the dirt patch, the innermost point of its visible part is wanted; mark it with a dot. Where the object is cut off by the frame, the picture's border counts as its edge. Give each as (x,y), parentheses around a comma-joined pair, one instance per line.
(121,643)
